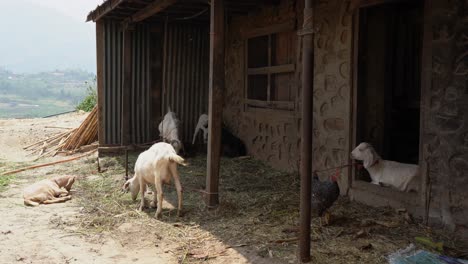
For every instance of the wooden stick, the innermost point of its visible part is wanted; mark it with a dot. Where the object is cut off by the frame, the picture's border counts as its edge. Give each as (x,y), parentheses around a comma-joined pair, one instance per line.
(45,140)
(279,241)
(47,152)
(58,127)
(48,164)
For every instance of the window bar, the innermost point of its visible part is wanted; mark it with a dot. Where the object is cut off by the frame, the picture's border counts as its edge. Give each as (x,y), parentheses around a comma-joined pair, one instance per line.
(269,74)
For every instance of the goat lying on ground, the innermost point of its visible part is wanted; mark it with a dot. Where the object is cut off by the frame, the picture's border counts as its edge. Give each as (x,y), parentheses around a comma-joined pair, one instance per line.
(49,191)
(156,165)
(231,146)
(401,176)
(169,130)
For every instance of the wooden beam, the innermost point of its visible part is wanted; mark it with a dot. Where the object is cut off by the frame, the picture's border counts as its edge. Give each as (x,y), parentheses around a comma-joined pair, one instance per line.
(367,3)
(306,133)
(127,85)
(285,68)
(100,45)
(216,86)
(285,105)
(151,9)
(103,10)
(424,120)
(284,26)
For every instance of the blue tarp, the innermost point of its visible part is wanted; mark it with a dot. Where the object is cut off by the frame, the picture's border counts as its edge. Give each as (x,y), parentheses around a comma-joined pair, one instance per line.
(411,255)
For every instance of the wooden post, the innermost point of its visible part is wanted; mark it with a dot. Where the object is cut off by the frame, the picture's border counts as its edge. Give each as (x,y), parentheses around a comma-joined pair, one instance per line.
(127,86)
(306,133)
(100,46)
(216,86)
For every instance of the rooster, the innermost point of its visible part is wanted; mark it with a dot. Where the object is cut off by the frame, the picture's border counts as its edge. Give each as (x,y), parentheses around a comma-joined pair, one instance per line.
(324,194)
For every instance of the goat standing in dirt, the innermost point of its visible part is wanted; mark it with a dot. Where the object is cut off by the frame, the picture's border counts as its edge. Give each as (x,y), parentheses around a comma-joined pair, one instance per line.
(157,166)
(49,191)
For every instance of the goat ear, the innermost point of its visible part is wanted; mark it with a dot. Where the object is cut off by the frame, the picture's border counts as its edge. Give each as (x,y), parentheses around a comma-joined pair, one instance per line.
(363,146)
(369,157)
(126,184)
(70,182)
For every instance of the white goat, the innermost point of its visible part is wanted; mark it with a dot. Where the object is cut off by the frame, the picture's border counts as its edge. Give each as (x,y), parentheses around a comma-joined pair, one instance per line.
(157,166)
(169,130)
(401,176)
(201,125)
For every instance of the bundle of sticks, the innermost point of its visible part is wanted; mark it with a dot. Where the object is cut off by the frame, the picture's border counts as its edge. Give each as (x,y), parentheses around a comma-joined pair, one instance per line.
(69,142)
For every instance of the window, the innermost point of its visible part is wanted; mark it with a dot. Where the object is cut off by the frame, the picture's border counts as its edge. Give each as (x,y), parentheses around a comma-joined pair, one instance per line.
(270,78)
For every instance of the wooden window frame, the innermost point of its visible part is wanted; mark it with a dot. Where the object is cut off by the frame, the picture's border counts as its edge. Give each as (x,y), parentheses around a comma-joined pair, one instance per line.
(268,70)
(361,190)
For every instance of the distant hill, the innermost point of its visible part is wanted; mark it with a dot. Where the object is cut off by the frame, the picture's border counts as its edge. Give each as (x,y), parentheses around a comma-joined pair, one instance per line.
(42,94)
(36,39)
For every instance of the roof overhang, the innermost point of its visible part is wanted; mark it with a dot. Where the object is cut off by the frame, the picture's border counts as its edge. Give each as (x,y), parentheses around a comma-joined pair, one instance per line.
(133,11)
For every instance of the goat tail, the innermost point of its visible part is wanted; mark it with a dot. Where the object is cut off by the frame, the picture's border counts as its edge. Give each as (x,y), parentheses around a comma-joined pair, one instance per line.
(177,159)
(30,203)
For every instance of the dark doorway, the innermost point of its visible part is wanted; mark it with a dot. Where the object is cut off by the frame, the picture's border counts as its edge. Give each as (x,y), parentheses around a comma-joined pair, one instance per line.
(389,85)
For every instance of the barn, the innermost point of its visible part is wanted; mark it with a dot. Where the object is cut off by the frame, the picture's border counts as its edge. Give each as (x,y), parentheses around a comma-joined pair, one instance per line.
(298,81)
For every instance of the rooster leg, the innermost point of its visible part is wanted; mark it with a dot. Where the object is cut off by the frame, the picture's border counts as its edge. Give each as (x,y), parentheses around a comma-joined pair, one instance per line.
(326,218)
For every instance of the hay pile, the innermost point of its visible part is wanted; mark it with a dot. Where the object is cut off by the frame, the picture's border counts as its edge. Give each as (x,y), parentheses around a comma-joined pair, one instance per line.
(69,142)
(257,217)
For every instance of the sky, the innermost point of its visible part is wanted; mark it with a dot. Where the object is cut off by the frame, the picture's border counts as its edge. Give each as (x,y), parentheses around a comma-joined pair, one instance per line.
(76,9)
(47,35)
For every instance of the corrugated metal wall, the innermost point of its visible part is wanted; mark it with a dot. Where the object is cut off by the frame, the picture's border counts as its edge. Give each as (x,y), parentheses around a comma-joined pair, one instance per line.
(185,80)
(185,77)
(113,74)
(140,94)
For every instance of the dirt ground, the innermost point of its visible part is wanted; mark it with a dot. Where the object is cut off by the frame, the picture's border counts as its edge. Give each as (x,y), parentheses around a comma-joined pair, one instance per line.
(256,221)
(52,234)
(32,234)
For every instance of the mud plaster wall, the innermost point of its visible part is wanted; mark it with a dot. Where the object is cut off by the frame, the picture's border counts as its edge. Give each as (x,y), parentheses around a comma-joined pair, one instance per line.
(445,127)
(332,86)
(274,136)
(269,135)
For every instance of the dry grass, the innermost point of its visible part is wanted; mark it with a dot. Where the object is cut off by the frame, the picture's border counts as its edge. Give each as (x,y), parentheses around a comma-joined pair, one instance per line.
(258,207)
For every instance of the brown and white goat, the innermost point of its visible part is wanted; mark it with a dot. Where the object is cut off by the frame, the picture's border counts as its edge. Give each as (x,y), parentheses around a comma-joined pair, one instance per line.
(49,191)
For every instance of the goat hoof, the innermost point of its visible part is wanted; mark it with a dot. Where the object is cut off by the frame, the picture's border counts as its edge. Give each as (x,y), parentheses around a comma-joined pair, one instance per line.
(153,205)
(157,216)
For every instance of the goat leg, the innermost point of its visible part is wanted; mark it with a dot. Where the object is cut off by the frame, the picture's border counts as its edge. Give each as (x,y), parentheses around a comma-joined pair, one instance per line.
(142,192)
(159,196)
(154,203)
(178,186)
(57,200)
(59,192)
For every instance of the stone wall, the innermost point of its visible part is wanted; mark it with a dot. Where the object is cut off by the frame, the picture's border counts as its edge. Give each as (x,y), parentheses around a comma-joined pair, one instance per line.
(332,85)
(445,123)
(275,136)
(270,135)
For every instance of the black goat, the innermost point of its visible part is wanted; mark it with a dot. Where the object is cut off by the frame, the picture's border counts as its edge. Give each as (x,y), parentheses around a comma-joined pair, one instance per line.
(231,146)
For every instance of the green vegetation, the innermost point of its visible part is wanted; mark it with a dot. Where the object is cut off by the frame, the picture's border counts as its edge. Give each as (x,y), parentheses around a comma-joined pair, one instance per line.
(90,100)
(41,94)
(5,181)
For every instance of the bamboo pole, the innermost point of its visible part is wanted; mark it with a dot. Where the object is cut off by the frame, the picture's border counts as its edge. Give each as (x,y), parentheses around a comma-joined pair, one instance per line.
(48,164)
